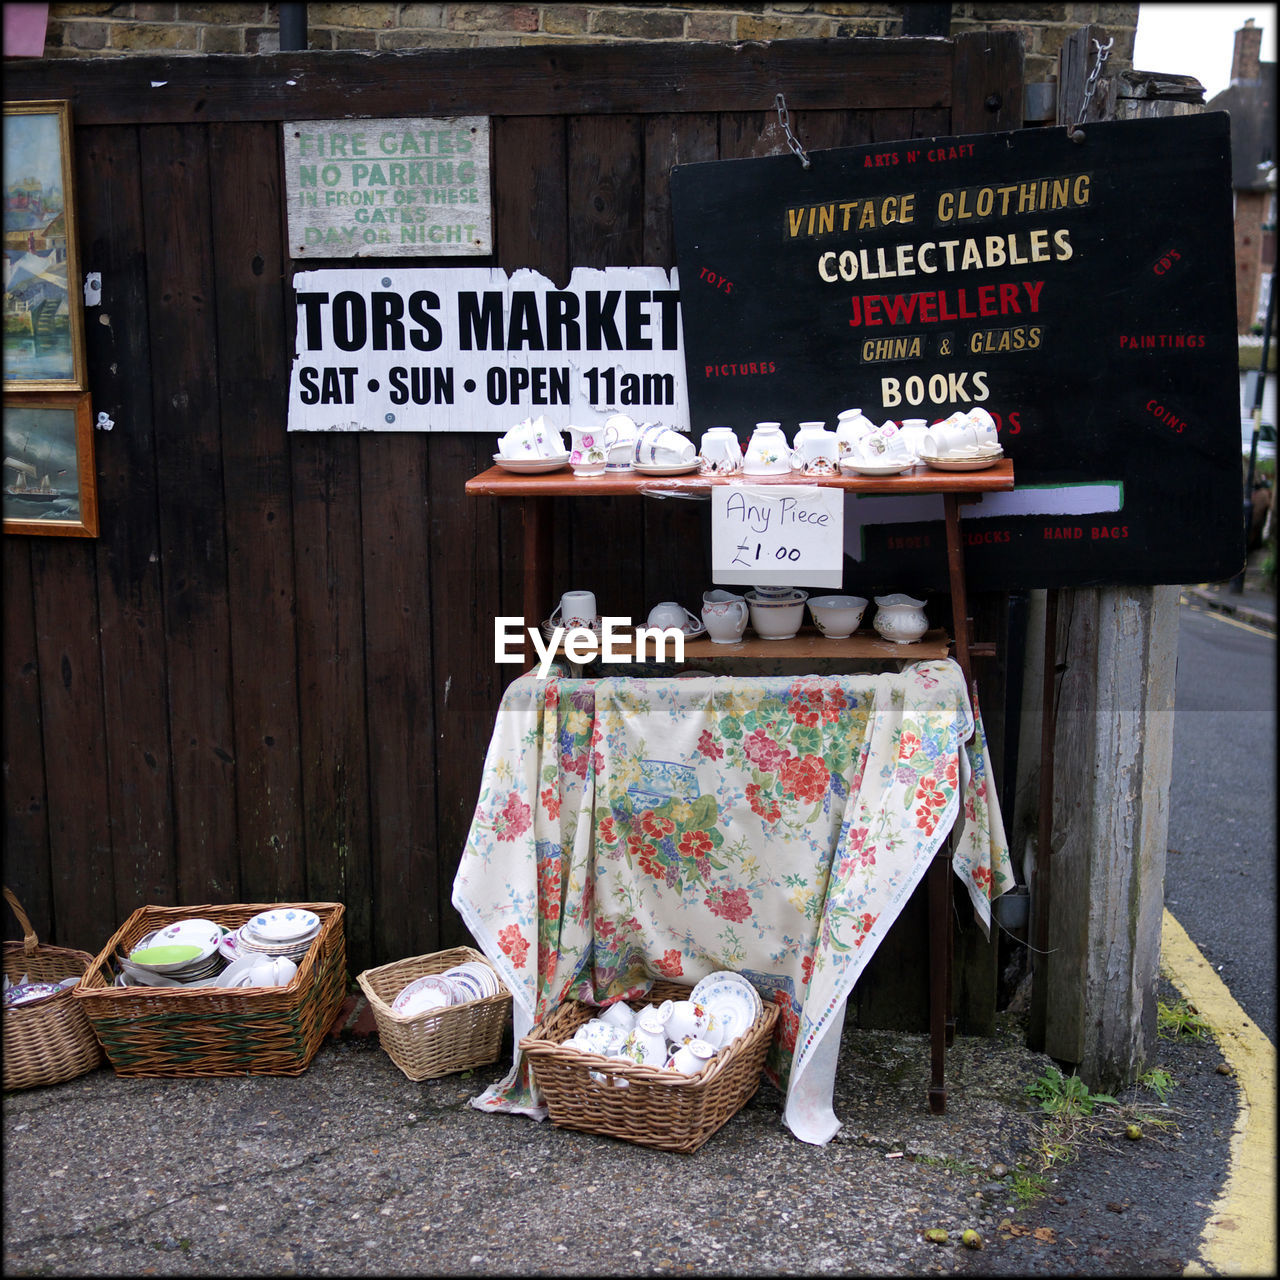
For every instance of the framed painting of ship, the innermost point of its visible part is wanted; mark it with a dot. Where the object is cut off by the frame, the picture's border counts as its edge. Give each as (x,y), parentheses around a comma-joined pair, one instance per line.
(43,304)
(49,481)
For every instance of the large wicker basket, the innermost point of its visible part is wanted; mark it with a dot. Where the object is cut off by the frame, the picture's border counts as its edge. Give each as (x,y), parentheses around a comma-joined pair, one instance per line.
(217,1031)
(441,1041)
(51,1041)
(657,1108)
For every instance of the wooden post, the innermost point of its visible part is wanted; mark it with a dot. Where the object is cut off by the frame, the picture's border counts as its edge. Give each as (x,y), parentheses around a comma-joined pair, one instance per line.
(1111,760)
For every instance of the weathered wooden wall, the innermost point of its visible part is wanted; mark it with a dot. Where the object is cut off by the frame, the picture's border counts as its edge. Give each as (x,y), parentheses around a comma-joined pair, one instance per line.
(270,677)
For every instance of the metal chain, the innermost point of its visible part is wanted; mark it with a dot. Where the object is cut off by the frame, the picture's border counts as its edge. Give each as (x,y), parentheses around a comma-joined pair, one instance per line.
(784,119)
(1101,54)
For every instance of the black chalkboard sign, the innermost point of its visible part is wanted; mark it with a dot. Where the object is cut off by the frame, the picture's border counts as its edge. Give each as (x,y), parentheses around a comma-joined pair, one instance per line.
(1082,292)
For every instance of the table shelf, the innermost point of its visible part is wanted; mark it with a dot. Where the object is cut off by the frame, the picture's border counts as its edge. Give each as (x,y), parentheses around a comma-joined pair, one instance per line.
(499,483)
(808,643)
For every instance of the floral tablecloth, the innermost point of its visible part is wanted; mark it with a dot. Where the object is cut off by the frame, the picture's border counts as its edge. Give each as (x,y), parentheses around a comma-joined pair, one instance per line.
(776,825)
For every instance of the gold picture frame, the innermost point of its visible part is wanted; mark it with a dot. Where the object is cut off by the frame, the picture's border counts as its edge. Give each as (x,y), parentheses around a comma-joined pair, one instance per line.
(50,486)
(44,346)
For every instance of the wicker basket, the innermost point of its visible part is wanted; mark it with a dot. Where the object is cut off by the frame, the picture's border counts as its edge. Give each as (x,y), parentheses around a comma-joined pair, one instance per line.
(435,1042)
(658,1108)
(217,1031)
(51,1041)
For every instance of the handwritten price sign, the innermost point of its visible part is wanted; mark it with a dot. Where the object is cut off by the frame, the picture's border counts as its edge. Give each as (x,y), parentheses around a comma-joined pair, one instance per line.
(782,535)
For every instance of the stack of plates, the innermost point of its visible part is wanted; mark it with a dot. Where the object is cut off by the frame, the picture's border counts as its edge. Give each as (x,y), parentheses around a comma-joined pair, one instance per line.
(734,1003)
(184,953)
(975,457)
(283,931)
(470,980)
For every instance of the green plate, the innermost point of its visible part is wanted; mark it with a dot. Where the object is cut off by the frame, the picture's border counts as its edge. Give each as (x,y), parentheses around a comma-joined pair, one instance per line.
(166,955)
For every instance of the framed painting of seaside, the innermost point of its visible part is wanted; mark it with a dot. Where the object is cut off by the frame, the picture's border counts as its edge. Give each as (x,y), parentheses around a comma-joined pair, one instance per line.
(50,485)
(43,305)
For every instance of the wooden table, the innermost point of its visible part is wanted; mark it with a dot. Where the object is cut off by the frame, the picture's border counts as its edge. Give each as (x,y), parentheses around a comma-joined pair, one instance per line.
(535,493)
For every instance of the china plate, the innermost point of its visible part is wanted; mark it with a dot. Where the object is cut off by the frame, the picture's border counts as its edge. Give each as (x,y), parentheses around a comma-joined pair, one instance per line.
(532,466)
(731,1007)
(432,991)
(961,464)
(168,958)
(672,469)
(284,925)
(193,932)
(29,992)
(699,992)
(875,468)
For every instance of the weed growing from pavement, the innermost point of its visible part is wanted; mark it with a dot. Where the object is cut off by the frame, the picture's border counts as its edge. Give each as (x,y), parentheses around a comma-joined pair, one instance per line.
(1065,1095)
(1180,1019)
(1159,1081)
(1027,1186)
(1073,1115)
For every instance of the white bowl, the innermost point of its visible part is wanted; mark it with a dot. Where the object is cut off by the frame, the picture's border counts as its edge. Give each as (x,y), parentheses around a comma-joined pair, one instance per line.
(777,619)
(837,616)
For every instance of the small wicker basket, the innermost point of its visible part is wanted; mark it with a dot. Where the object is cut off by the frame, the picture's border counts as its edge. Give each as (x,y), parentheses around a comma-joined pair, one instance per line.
(657,1108)
(52,1040)
(217,1031)
(436,1042)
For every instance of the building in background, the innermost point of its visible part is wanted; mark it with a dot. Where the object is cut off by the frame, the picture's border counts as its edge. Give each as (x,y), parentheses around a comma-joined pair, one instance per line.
(1250,100)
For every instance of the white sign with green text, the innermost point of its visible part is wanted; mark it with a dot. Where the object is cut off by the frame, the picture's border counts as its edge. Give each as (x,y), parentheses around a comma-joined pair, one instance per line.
(388,188)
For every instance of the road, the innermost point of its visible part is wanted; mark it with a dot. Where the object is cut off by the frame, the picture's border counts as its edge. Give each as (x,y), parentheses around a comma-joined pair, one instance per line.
(1221,872)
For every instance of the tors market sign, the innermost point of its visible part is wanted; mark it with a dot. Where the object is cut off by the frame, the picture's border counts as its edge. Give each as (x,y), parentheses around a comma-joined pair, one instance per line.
(476,349)
(388,188)
(1081,292)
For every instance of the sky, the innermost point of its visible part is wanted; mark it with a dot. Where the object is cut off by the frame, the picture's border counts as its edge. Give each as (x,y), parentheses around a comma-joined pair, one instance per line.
(1198,39)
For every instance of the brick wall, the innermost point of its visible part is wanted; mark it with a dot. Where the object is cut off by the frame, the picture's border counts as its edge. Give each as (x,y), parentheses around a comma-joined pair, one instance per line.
(117,30)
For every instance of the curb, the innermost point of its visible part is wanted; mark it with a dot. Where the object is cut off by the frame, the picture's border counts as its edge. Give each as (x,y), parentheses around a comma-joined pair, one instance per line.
(1214,600)
(1239,1237)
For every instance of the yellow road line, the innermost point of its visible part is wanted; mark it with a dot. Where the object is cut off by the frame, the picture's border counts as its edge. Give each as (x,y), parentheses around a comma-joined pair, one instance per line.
(1209,612)
(1240,1237)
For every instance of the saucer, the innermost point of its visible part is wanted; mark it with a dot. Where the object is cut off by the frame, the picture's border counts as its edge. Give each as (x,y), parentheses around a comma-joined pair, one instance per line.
(424,995)
(549,629)
(282,926)
(875,468)
(532,466)
(979,462)
(656,469)
(713,982)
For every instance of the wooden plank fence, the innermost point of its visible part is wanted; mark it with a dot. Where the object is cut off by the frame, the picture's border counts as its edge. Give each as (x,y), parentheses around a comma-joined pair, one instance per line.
(270,676)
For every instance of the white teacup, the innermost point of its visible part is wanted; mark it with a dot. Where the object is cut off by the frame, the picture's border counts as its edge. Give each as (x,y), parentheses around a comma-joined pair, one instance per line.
(688,1021)
(671,614)
(620,1015)
(268,973)
(885,444)
(816,450)
(984,424)
(837,616)
(691,1058)
(531,439)
(659,446)
(576,609)
(720,453)
(942,440)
